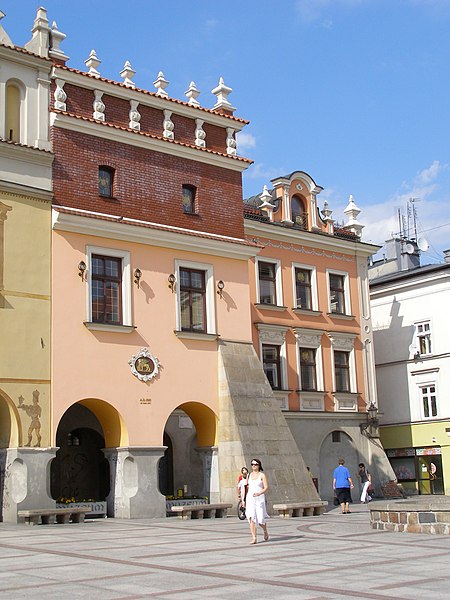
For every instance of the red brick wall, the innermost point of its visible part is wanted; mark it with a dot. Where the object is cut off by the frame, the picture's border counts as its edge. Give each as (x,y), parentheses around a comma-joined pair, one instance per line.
(79,101)
(147,184)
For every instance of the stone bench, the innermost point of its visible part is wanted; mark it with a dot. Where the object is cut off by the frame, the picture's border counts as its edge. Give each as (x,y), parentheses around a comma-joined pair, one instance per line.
(201,511)
(300,509)
(50,515)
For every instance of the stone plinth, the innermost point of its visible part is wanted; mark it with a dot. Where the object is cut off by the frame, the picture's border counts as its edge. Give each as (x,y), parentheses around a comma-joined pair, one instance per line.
(423,515)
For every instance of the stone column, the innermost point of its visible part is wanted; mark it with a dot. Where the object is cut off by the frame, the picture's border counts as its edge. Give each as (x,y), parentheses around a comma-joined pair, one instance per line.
(210,462)
(25,480)
(134,490)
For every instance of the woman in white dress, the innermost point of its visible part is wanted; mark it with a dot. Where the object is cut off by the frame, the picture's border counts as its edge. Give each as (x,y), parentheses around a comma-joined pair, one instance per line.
(255,504)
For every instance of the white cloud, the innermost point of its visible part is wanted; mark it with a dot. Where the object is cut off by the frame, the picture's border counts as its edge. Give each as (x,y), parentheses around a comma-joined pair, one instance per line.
(429,174)
(311,10)
(260,171)
(245,140)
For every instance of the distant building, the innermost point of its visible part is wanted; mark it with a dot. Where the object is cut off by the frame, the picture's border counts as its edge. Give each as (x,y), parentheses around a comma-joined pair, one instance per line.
(409,306)
(312,326)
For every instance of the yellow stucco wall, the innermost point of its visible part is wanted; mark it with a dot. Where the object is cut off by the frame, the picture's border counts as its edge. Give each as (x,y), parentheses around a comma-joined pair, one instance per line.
(25,239)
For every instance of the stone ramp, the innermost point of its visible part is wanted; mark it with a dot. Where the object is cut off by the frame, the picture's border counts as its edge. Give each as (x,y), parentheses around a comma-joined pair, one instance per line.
(252,425)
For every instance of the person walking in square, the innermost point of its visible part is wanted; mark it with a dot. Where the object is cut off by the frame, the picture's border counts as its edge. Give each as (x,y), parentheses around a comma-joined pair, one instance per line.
(342,484)
(255,504)
(366,480)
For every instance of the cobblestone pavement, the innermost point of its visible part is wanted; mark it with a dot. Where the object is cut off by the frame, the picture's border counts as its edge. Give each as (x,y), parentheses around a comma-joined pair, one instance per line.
(332,556)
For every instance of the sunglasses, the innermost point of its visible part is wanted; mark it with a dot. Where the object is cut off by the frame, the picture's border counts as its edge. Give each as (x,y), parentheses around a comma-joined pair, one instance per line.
(255,465)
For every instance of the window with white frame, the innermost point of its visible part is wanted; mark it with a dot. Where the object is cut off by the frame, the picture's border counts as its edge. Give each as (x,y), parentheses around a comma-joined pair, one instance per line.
(423,336)
(428,399)
(272,344)
(344,369)
(108,286)
(195,297)
(339,293)
(305,288)
(268,273)
(310,372)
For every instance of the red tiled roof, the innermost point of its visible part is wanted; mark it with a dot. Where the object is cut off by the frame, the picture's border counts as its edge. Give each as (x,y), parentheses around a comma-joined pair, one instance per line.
(24,51)
(148,225)
(24,146)
(150,135)
(142,91)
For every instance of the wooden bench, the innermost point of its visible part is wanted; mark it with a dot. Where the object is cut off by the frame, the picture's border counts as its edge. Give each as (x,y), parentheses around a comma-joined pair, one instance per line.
(201,511)
(300,509)
(50,515)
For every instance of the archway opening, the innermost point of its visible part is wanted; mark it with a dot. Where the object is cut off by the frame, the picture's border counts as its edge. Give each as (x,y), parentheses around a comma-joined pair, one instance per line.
(80,470)
(337,444)
(190,436)
(299,214)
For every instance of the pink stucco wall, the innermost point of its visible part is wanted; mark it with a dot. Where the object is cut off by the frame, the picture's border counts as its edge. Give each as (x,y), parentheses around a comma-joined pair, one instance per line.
(94,364)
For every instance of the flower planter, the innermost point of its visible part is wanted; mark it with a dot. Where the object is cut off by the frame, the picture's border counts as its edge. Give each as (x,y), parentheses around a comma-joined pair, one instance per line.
(98,509)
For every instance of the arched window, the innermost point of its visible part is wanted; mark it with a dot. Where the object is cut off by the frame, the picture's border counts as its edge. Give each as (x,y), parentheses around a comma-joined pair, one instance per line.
(299,215)
(188,198)
(12,114)
(105,181)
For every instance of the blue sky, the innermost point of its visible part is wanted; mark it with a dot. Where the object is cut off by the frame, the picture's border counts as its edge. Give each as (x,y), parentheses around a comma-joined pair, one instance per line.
(354,92)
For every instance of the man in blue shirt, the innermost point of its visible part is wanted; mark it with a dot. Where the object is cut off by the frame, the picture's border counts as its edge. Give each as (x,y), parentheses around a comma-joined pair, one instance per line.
(342,484)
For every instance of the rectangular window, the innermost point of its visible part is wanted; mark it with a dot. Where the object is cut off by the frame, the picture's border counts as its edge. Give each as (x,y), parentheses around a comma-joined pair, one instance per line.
(267,282)
(337,293)
(106,289)
(303,288)
(342,371)
(272,365)
(429,401)
(105,181)
(188,199)
(423,332)
(336,436)
(308,369)
(192,300)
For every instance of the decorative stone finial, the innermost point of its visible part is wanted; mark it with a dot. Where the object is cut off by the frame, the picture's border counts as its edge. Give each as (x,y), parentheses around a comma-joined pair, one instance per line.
(222,92)
(92,62)
(127,73)
(134,116)
(231,142)
(4,37)
(200,134)
(326,210)
(160,84)
(266,205)
(168,125)
(192,93)
(352,212)
(39,43)
(60,95)
(98,106)
(56,37)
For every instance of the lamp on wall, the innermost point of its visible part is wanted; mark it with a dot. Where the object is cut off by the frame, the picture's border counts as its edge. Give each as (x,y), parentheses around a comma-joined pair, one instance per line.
(137,276)
(82,270)
(371,424)
(220,286)
(171,279)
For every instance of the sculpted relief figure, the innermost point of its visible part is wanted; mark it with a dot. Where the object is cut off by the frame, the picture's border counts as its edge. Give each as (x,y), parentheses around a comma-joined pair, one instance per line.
(34,411)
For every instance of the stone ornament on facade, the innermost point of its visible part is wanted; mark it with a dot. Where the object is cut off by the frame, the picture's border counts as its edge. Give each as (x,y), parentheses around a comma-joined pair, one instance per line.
(98,106)
(56,38)
(272,334)
(222,92)
(168,125)
(92,62)
(342,341)
(200,134)
(231,142)
(34,411)
(60,95)
(134,116)
(160,84)
(127,73)
(307,338)
(192,94)
(144,365)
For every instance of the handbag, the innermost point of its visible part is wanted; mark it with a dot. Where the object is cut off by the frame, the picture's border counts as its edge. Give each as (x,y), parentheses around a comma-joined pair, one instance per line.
(336,501)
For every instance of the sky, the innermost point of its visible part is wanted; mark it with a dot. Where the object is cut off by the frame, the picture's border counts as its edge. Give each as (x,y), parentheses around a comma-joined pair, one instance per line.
(354,92)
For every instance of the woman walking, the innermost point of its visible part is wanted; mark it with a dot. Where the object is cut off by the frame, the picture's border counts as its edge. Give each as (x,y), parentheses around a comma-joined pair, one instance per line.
(255,505)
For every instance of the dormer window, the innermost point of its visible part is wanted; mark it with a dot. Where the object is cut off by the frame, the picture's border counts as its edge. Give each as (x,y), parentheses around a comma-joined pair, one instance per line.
(188,199)
(105,181)
(299,214)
